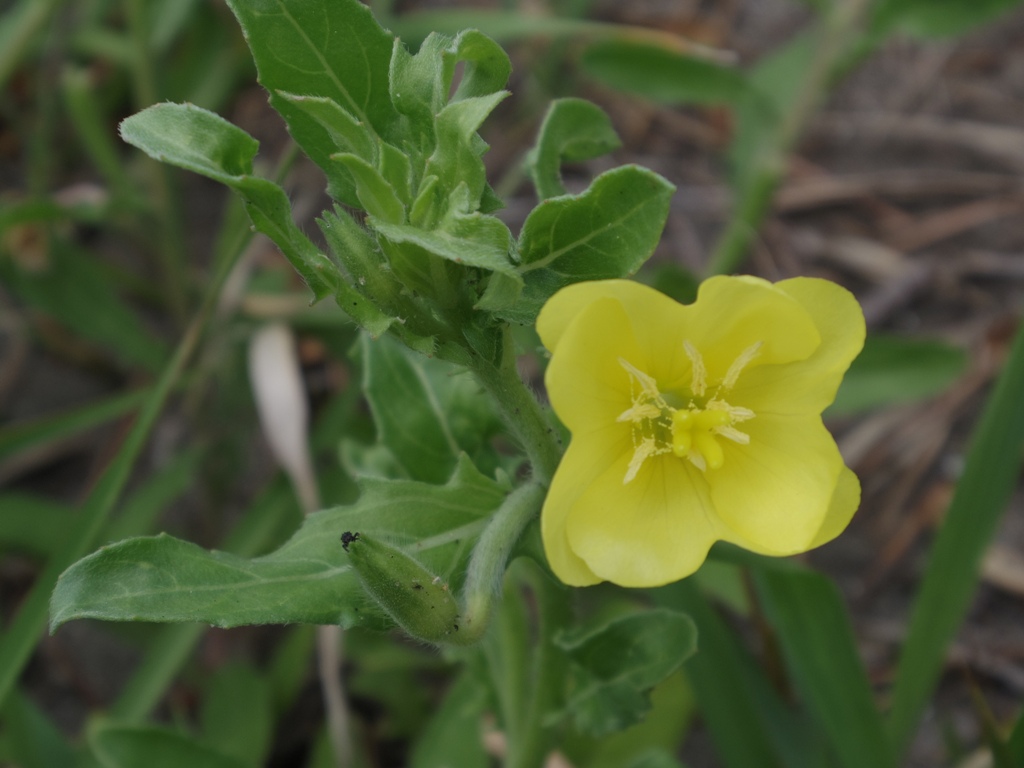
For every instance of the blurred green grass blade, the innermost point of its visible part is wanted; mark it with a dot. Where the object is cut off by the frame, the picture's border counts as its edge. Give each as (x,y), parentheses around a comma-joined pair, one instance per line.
(74,288)
(83,107)
(750,724)
(817,641)
(893,370)
(949,581)
(237,717)
(662,75)
(31,524)
(936,18)
(1015,742)
(140,511)
(120,746)
(19,30)
(33,741)
(36,434)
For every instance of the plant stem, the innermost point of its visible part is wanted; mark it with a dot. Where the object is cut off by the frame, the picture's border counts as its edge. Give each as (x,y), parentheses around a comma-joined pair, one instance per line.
(522,413)
(490,559)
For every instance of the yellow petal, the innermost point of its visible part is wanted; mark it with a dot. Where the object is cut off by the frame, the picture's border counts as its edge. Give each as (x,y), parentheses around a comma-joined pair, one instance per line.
(775,493)
(731,314)
(646,306)
(652,531)
(845,500)
(809,386)
(582,463)
(586,384)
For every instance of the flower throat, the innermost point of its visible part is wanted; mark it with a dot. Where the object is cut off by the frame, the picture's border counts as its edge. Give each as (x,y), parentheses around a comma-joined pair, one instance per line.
(693,430)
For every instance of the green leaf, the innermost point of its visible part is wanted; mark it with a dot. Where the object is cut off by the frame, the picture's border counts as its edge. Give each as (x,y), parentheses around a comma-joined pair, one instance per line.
(981,496)
(818,644)
(456,159)
(662,75)
(474,239)
(452,738)
(618,663)
(893,370)
(201,141)
(347,133)
(427,412)
(129,746)
(573,130)
(306,580)
(421,83)
(606,232)
(936,18)
(237,717)
(376,196)
(752,727)
(331,49)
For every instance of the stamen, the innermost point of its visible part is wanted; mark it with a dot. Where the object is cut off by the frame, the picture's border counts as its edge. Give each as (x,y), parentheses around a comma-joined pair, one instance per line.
(639,412)
(643,451)
(699,380)
(741,362)
(648,385)
(731,433)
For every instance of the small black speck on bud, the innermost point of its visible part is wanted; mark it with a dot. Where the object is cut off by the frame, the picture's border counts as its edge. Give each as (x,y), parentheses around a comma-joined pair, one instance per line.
(347,538)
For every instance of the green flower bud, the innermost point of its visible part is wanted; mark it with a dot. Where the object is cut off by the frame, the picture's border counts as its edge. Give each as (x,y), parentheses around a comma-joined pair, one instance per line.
(418,601)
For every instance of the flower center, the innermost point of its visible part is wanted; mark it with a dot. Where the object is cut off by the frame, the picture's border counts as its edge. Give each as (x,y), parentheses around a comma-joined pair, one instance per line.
(691,431)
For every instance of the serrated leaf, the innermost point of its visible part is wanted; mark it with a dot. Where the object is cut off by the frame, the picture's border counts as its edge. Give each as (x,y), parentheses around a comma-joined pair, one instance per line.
(606,232)
(307,580)
(421,83)
(456,159)
(618,663)
(573,130)
(333,49)
(427,413)
(662,75)
(129,746)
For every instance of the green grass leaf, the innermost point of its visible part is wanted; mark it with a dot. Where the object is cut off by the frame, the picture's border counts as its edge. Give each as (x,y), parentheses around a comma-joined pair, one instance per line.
(817,642)
(307,580)
(894,370)
(237,716)
(128,746)
(951,576)
(752,727)
(662,75)
(936,18)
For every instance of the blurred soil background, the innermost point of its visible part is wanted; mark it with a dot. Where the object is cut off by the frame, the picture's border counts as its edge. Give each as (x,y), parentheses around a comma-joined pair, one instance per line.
(907,186)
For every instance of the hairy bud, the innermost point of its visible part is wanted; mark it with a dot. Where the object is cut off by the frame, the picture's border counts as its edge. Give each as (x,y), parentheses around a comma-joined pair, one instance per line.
(418,601)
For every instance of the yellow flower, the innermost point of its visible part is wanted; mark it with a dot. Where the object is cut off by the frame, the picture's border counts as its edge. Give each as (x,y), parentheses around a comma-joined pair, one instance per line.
(694,423)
